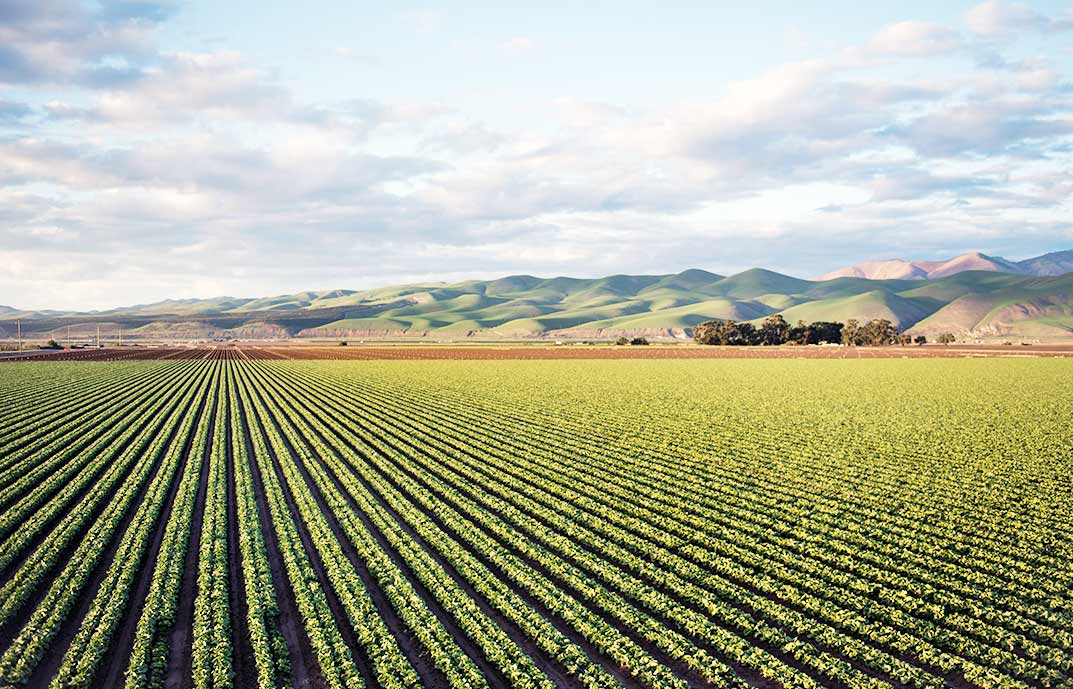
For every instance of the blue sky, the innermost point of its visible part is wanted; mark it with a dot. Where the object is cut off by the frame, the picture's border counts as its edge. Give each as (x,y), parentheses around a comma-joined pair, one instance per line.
(152,149)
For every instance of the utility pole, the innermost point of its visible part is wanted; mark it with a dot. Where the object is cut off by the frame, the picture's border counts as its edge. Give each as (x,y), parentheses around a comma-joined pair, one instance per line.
(18,323)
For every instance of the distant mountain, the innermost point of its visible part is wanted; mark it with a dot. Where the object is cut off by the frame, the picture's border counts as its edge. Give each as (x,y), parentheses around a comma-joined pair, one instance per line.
(978,303)
(1056,263)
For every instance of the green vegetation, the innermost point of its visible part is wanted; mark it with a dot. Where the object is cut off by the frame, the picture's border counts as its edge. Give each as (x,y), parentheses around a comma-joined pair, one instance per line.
(774,330)
(976,303)
(857,524)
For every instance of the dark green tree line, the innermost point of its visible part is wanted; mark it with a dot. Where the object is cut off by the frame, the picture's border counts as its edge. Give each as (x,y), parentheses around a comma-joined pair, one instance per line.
(774,330)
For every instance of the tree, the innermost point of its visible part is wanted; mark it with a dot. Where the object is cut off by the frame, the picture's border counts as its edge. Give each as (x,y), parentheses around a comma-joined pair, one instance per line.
(638,341)
(705,333)
(727,332)
(743,334)
(920,339)
(878,332)
(905,339)
(825,332)
(800,334)
(851,332)
(343,343)
(622,341)
(774,330)
(947,338)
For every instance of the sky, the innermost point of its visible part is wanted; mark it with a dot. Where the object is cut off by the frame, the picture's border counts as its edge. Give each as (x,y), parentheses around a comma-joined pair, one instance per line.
(155,149)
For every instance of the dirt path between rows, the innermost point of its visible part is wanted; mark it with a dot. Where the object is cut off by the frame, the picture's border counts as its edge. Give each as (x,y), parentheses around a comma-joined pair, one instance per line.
(242,650)
(305,671)
(180,636)
(430,675)
(53,657)
(342,621)
(549,666)
(123,644)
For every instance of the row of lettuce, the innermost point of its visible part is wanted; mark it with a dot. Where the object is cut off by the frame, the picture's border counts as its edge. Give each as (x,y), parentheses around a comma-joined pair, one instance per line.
(421,538)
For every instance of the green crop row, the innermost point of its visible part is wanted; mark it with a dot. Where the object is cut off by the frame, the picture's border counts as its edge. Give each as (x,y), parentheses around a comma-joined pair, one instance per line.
(230,522)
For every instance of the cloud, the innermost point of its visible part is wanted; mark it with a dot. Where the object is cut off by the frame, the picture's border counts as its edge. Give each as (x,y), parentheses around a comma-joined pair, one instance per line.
(1000,19)
(182,86)
(913,185)
(302,168)
(11,111)
(914,39)
(205,170)
(462,138)
(793,118)
(221,87)
(67,41)
(1023,128)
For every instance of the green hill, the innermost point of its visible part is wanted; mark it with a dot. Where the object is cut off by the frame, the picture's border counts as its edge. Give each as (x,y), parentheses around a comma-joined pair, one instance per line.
(970,304)
(902,311)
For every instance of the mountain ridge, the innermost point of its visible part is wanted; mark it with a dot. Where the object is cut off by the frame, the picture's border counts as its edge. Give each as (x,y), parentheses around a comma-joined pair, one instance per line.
(1048,265)
(982,303)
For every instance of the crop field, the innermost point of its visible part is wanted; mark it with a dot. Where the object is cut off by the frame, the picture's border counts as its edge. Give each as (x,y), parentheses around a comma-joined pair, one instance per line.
(241,521)
(533,352)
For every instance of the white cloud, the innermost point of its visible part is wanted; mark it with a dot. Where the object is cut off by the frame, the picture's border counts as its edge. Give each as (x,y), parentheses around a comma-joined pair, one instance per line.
(207,159)
(915,39)
(48,41)
(219,84)
(1001,19)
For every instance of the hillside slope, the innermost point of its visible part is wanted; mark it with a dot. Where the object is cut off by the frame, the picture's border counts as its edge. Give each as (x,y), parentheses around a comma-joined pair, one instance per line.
(971,304)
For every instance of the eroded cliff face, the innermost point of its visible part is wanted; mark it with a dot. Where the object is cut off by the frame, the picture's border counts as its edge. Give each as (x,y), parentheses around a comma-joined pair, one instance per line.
(361,333)
(493,335)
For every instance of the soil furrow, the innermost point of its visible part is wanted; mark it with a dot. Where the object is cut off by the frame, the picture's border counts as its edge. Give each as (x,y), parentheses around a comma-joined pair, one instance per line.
(346,628)
(304,668)
(430,675)
(242,651)
(53,657)
(549,666)
(111,675)
(180,636)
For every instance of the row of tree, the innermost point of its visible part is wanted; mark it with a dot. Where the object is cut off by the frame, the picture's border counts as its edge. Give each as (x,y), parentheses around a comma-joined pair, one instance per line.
(774,330)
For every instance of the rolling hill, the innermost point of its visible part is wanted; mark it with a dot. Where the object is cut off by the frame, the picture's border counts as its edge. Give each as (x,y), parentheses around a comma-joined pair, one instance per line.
(976,304)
